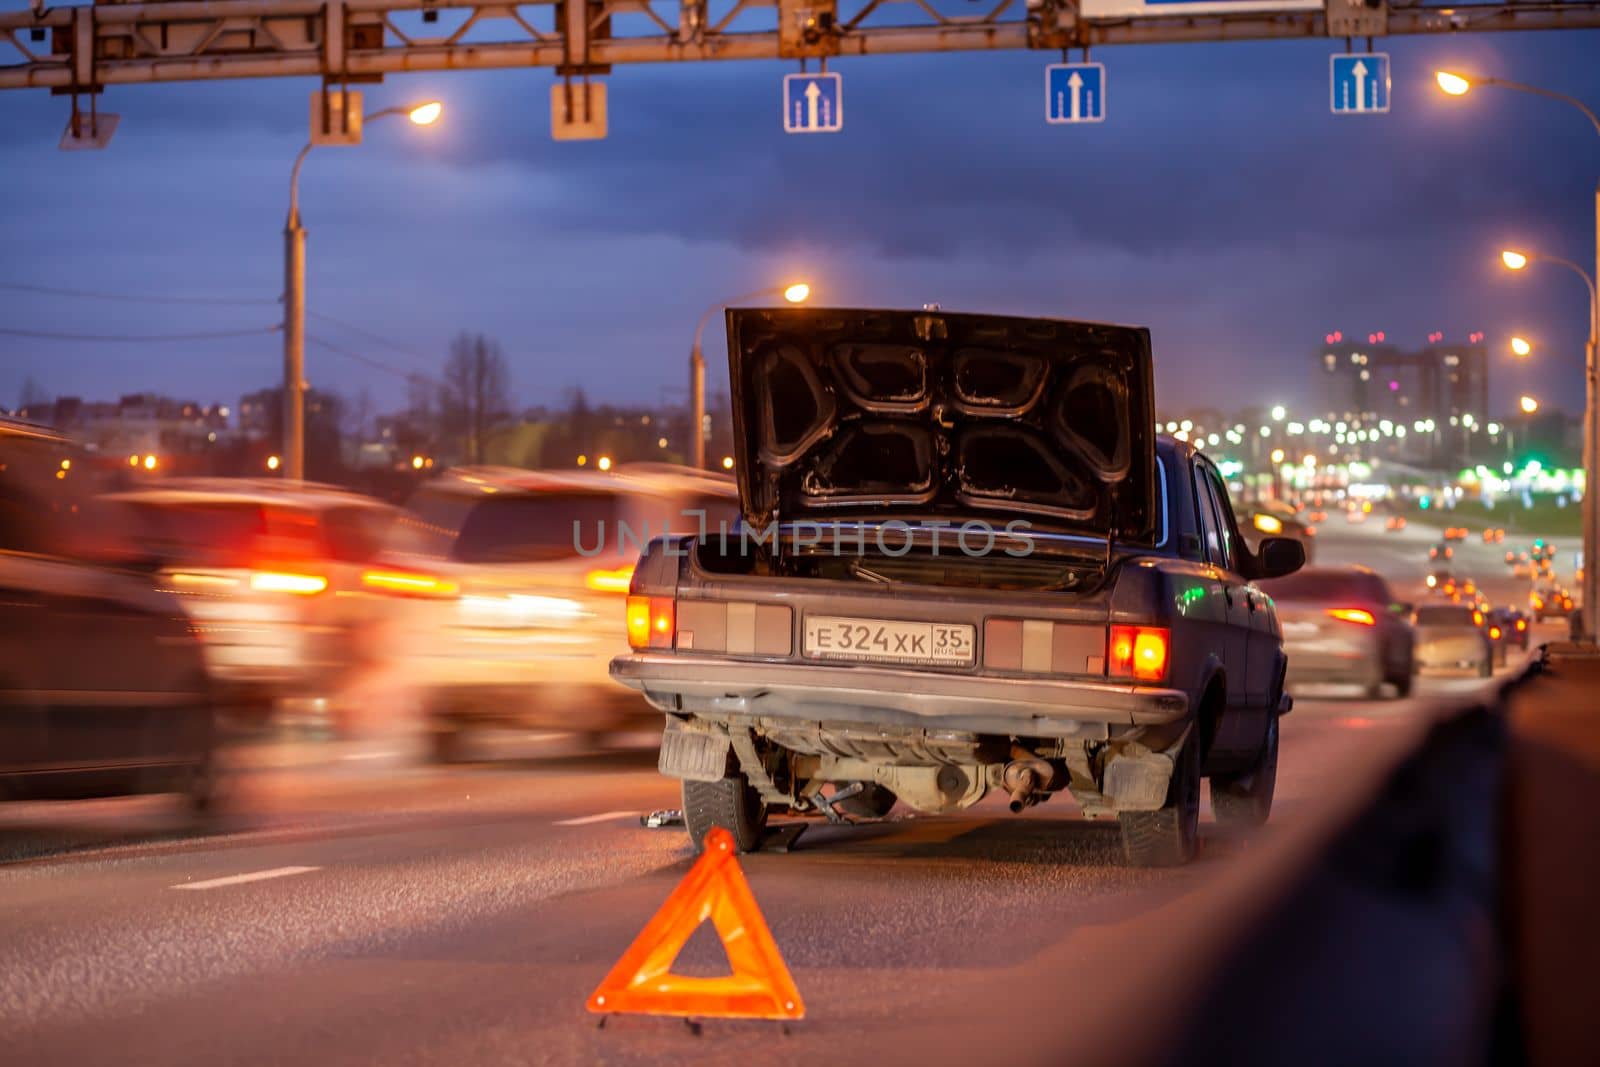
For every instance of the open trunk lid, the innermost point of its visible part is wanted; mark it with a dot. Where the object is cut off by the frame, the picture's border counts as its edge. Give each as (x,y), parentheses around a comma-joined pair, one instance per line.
(931,415)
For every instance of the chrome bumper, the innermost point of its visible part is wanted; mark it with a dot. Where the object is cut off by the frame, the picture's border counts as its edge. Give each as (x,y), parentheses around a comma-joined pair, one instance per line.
(892,696)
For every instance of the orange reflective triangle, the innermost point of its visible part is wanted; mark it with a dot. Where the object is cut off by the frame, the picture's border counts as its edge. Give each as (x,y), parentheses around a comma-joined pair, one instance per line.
(760,986)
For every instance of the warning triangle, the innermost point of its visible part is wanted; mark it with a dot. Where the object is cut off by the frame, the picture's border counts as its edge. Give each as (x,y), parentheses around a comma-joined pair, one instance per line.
(760,986)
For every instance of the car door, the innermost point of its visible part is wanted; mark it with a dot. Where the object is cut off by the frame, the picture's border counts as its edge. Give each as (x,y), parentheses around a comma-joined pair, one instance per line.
(1231,627)
(1263,637)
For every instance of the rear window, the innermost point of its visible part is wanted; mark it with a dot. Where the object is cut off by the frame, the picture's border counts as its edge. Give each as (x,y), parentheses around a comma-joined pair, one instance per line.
(1325,586)
(508,529)
(227,533)
(1444,615)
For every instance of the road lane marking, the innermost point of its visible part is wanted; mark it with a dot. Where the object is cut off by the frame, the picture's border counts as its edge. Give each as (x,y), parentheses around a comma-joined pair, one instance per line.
(240,879)
(609,816)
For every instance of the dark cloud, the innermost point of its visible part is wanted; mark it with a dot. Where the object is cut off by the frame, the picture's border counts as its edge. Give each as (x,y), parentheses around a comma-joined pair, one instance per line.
(1221,204)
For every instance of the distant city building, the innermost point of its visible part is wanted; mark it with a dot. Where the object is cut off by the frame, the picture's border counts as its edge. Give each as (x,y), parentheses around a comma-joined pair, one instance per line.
(139,423)
(1444,388)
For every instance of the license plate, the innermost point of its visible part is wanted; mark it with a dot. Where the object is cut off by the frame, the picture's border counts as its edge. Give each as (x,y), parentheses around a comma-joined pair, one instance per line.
(888,641)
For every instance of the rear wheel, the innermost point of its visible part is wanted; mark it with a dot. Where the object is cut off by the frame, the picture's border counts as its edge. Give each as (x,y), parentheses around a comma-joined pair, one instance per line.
(731,803)
(1245,800)
(1402,683)
(1171,836)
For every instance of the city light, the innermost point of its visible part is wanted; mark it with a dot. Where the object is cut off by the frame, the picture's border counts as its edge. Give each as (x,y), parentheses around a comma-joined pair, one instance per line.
(416,463)
(273,463)
(661,442)
(604,463)
(1520,347)
(797,293)
(1454,84)
(1277,455)
(426,114)
(727,463)
(149,463)
(1513,260)
(583,461)
(1528,404)
(1278,412)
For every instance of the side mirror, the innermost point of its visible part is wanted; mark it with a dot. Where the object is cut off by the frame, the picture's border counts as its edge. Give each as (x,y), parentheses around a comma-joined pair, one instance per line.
(1278,556)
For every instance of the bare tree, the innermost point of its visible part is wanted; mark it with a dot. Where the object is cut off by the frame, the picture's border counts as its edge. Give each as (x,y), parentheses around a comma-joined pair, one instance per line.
(33,396)
(474,400)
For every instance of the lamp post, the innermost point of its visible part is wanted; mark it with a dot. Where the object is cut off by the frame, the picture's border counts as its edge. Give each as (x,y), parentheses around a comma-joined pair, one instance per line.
(293,464)
(797,293)
(1456,84)
(1591,429)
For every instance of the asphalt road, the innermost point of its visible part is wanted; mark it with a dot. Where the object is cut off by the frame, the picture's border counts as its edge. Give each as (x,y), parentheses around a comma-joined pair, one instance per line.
(354,907)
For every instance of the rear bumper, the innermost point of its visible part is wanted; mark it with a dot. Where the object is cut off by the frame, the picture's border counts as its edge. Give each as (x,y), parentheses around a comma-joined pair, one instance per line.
(891,696)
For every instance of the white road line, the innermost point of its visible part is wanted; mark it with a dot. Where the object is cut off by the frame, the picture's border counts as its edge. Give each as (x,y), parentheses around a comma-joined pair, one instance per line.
(609,816)
(240,879)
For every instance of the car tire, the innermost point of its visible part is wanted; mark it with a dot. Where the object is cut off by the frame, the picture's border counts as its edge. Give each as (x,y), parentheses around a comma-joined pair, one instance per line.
(1245,800)
(1402,683)
(873,802)
(1169,837)
(731,803)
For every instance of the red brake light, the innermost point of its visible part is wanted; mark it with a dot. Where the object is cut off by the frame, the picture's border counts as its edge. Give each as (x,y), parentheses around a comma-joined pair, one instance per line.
(1138,652)
(409,583)
(1359,616)
(286,582)
(609,581)
(1477,618)
(651,621)
(1522,624)
(1494,633)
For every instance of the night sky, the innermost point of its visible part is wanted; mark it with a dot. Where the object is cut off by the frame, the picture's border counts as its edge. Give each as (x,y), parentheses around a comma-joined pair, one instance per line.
(1220,204)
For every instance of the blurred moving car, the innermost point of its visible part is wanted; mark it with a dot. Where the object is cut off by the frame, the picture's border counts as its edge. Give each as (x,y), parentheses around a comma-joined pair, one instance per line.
(1550,602)
(1509,627)
(271,572)
(103,686)
(1451,637)
(1394,523)
(1343,625)
(1272,518)
(1494,535)
(1441,551)
(1455,533)
(513,584)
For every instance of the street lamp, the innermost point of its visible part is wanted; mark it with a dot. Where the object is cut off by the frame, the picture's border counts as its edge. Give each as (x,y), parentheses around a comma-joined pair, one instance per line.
(1528,404)
(1521,346)
(1457,84)
(1591,422)
(294,298)
(797,293)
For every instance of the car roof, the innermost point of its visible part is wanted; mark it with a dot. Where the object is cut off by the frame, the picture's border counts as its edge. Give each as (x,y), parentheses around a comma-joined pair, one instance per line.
(660,478)
(309,495)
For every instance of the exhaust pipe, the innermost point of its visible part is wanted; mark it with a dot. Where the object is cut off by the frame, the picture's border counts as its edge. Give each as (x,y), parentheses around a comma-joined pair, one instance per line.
(1022,789)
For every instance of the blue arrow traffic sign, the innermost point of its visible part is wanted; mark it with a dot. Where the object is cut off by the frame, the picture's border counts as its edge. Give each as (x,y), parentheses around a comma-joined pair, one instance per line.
(1359,83)
(813,103)
(1075,92)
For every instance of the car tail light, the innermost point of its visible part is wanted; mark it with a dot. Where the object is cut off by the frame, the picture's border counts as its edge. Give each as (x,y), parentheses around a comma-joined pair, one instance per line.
(1522,624)
(1138,652)
(287,582)
(409,583)
(1477,618)
(1494,633)
(650,621)
(609,581)
(1359,616)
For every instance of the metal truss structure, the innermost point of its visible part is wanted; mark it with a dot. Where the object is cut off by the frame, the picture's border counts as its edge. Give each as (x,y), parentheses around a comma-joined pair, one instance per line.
(82,49)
